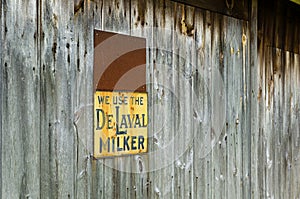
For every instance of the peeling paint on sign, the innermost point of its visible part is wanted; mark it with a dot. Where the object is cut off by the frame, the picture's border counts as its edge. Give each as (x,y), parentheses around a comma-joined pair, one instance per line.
(120,123)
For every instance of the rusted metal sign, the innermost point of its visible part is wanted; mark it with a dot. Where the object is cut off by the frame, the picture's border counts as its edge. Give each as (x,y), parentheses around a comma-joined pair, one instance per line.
(120,99)
(120,123)
(119,62)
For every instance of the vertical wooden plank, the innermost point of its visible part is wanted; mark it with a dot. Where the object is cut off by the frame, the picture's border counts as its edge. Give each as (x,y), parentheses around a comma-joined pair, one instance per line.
(59,143)
(201,95)
(269,145)
(287,131)
(262,108)
(291,131)
(1,69)
(215,153)
(230,117)
(258,141)
(279,93)
(230,114)
(48,159)
(278,74)
(254,103)
(162,94)
(187,29)
(20,147)
(157,132)
(179,61)
(206,141)
(296,126)
(141,24)
(81,49)
(228,78)
(282,70)
(97,165)
(276,121)
(216,68)
(239,69)
(245,145)
(234,108)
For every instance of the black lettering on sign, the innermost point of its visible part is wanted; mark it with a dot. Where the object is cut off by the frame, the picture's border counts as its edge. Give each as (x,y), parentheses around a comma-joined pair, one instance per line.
(109,121)
(137,100)
(119,100)
(118,144)
(141,142)
(104,99)
(98,113)
(123,123)
(120,124)
(133,141)
(106,145)
(127,120)
(137,121)
(124,143)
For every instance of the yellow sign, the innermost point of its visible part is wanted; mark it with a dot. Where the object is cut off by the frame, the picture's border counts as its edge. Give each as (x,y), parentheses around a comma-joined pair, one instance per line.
(120,123)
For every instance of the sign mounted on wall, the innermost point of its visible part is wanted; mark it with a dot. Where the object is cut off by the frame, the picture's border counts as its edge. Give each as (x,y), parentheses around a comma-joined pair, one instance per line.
(120,98)
(120,123)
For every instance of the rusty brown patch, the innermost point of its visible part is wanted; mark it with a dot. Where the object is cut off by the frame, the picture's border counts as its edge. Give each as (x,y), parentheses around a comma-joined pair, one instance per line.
(119,62)
(259,94)
(186,27)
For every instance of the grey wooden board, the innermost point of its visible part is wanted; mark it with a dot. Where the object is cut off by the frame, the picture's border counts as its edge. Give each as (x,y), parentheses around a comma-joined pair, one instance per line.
(1,66)
(47,104)
(254,89)
(20,107)
(59,146)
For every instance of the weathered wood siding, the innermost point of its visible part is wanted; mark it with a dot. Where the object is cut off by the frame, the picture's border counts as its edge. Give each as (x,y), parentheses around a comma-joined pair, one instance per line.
(20,93)
(275,109)
(223,108)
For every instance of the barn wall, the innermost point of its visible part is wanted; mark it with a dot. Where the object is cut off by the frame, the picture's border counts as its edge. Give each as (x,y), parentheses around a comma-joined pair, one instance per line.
(275,130)
(213,106)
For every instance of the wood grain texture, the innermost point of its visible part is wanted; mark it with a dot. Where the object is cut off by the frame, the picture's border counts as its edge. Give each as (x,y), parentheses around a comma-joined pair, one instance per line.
(275,127)
(59,145)
(141,22)
(82,56)
(1,66)
(254,108)
(20,85)
(238,9)
(278,151)
(280,21)
(46,101)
